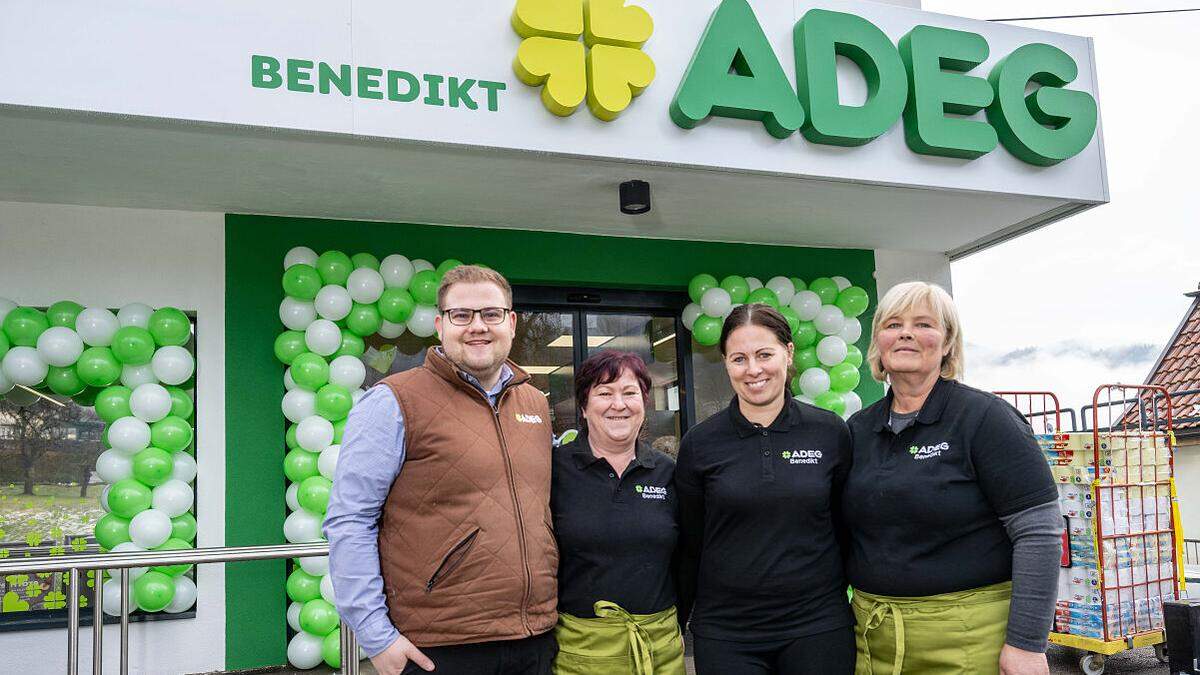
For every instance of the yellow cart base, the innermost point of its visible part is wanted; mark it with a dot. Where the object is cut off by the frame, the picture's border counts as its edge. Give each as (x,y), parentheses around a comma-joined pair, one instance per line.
(1092,662)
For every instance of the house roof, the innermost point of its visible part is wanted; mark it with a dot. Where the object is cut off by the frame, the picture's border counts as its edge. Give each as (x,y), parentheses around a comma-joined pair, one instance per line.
(1178,370)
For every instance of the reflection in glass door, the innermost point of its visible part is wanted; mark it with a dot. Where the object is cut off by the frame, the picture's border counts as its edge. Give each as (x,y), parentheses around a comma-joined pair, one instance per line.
(544,348)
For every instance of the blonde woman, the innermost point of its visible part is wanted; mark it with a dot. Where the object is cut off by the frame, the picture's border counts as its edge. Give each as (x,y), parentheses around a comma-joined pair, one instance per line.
(950,506)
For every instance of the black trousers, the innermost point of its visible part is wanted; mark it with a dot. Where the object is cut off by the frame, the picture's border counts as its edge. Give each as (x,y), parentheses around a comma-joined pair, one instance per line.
(829,653)
(528,656)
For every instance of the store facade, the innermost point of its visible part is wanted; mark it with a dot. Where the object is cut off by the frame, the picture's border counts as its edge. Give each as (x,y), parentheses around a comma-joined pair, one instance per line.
(197,149)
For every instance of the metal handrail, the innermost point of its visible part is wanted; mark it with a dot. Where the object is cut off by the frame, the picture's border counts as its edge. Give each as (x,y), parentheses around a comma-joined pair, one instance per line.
(125,560)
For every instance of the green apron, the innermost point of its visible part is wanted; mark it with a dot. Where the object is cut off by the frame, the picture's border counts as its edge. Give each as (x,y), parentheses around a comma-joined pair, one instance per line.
(933,635)
(619,643)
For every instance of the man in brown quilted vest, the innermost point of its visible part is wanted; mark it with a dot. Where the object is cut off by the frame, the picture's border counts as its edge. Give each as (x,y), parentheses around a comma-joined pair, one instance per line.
(441,551)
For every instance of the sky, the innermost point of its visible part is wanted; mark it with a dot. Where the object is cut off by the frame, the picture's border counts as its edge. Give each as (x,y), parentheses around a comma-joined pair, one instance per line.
(1093,299)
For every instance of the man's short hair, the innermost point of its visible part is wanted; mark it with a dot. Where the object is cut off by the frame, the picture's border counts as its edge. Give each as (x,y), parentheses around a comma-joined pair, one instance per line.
(472,274)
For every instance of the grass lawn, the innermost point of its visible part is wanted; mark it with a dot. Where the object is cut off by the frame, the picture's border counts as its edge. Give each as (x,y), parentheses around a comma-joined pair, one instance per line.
(51,513)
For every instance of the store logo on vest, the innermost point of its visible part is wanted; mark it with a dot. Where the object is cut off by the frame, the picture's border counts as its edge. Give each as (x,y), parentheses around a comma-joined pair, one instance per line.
(529,419)
(928,451)
(802,456)
(651,492)
(608,73)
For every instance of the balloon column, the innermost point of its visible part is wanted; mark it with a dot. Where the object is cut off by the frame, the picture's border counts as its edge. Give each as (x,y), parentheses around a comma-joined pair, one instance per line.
(135,369)
(823,315)
(333,301)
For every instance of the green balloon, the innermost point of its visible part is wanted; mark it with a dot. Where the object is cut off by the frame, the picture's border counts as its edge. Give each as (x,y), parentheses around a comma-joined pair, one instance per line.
(128,497)
(289,345)
(133,346)
(64,381)
(313,493)
(302,586)
(98,367)
(334,267)
(447,265)
(331,650)
(153,466)
(339,429)
(5,345)
(799,284)
(853,301)
(854,356)
(794,385)
(806,358)
(424,287)
(87,397)
(737,288)
(352,345)
(805,334)
(310,371)
(302,281)
(182,405)
(112,403)
(364,260)
(826,289)
(111,530)
(300,464)
(170,327)
(289,438)
(333,402)
(764,296)
(792,318)
(318,617)
(153,591)
(173,544)
(63,313)
(699,284)
(23,325)
(183,527)
(364,320)
(832,401)
(171,433)
(396,305)
(844,377)
(707,330)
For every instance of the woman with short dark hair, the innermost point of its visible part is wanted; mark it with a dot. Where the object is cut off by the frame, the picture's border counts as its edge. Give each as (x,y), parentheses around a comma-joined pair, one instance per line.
(616,521)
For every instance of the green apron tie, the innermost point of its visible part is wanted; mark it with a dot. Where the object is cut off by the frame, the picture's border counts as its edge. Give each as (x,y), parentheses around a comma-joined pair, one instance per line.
(639,639)
(878,612)
(617,642)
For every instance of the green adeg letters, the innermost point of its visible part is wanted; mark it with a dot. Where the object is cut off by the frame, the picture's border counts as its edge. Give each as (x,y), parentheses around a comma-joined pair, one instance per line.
(926,80)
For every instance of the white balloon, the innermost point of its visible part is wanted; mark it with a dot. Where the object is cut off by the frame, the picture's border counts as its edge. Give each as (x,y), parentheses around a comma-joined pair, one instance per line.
(135,314)
(853,403)
(420,265)
(333,302)
(829,320)
(104,497)
(184,468)
(293,615)
(842,283)
(96,326)
(814,382)
(293,503)
(22,365)
(365,285)
(327,589)
(716,302)
(134,573)
(851,330)
(314,433)
(172,365)
(690,314)
(753,283)
(327,462)
(112,466)
(831,350)
(288,382)
(6,384)
(347,371)
(391,331)
(129,435)
(150,402)
(299,404)
(806,305)
(302,526)
(323,337)
(185,595)
(304,651)
(806,399)
(396,271)
(111,591)
(356,396)
(421,322)
(135,376)
(173,497)
(317,566)
(297,314)
(6,306)
(59,346)
(784,289)
(300,255)
(150,528)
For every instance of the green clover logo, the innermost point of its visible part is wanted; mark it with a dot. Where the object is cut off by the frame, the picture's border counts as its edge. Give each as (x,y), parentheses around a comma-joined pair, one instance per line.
(786,454)
(638,488)
(913,450)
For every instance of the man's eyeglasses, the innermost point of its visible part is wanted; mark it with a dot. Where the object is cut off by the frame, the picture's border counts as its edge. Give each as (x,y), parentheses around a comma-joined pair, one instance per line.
(461,316)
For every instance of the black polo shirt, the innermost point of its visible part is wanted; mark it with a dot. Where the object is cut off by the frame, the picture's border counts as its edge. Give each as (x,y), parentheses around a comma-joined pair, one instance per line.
(616,534)
(923,506)
(759,512)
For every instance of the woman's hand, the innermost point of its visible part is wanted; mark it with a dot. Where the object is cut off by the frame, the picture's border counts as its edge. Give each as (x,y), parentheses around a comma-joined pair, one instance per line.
(1015,661)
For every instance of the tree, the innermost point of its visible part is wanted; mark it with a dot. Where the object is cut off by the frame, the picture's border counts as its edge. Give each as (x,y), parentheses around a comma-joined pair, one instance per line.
(35,429)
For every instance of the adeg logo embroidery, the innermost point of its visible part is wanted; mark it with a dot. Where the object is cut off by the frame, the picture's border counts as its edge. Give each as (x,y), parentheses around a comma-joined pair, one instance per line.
(802,456)
(928,451)
(529,419)
(651,491)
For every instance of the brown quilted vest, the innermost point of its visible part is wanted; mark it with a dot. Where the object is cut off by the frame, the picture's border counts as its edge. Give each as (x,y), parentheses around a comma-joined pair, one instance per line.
(465,542)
